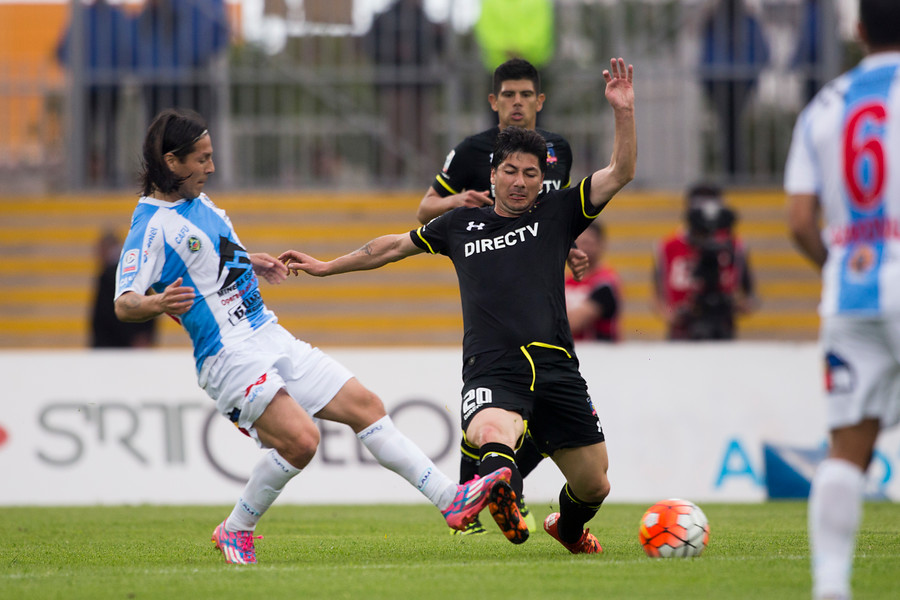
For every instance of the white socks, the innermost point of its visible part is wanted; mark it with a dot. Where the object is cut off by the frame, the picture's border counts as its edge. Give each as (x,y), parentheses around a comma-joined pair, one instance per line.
(396,452)
(391,448)
(269,477)
(835,509)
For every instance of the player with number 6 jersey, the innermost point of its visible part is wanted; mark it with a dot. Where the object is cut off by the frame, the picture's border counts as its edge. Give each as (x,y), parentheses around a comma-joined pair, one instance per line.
(841,152)
(843,184)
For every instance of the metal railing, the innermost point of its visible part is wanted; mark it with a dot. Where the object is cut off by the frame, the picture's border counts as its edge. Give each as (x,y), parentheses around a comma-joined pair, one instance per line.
(321,112)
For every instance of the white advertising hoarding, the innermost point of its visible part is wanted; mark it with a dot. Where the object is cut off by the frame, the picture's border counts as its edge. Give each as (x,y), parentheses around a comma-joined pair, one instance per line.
(124,427)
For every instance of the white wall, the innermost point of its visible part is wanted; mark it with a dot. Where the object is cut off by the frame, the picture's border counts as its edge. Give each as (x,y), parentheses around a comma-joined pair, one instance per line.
(82,427)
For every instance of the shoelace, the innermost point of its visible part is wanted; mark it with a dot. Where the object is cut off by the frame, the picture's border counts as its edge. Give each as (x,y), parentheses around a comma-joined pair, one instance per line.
(245,540)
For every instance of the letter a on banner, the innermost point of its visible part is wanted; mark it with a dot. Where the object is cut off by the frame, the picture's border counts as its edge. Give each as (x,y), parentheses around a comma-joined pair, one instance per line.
(736,463)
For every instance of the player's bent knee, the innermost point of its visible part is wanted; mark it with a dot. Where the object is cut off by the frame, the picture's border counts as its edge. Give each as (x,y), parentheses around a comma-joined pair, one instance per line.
(300,448)
(593,491)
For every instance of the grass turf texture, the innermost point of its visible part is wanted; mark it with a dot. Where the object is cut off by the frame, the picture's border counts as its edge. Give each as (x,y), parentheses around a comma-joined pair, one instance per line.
(399,552)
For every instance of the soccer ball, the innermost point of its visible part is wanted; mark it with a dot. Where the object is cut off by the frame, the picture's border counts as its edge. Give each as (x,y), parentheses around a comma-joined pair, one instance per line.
(674,528)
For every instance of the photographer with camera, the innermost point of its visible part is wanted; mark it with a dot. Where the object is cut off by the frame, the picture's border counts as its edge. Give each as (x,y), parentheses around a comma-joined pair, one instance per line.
(701,275)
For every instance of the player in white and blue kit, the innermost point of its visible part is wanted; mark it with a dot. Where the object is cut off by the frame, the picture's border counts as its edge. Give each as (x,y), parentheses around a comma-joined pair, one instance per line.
(843,182)
(267,382)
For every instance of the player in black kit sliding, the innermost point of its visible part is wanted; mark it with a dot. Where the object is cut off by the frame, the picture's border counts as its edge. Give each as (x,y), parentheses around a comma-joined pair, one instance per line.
(520,371)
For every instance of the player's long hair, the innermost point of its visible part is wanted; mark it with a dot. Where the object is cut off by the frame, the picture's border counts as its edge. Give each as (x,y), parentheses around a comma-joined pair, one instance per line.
(517,139)
(173,130)
(881,20)
(513,70)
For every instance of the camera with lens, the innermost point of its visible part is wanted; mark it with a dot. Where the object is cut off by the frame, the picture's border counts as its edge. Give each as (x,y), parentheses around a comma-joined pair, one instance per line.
(710,314)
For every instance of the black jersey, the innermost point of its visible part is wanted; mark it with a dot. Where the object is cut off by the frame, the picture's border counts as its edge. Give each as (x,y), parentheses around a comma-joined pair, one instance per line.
(511,269)
(468,166)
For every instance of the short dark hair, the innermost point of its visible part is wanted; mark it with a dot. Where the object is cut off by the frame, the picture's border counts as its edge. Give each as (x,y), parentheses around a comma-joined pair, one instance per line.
(881,20)
(513,70)
(173,130)
(517,139)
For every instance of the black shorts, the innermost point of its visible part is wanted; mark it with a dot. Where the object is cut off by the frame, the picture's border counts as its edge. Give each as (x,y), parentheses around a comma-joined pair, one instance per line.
(551,396)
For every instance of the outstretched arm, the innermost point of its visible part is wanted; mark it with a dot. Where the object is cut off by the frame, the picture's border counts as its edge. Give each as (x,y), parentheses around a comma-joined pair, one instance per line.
(377,253)
(606,182)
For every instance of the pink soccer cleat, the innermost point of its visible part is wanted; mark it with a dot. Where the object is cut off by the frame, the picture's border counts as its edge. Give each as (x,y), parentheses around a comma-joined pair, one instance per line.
(237,546)
(472,497)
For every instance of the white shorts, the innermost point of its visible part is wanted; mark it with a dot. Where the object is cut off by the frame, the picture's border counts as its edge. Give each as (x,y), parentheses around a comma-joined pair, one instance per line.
(862,370)
(243,380)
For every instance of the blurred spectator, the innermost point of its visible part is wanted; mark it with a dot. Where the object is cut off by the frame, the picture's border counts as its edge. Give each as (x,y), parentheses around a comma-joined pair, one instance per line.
(104,49)
(818,28)
(702,277)
(808,53)
(107,331)
(515,29)
(178,42)
(516,99)
(406,49)
(594,304)
(508,29)
(734,53)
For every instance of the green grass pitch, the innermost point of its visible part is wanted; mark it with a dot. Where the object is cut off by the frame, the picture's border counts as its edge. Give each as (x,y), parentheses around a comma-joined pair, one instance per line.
(399,552)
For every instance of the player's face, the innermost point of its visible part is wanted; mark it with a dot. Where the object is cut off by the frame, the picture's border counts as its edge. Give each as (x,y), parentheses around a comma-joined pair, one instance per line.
(517,182)
(517,104)
(196,168)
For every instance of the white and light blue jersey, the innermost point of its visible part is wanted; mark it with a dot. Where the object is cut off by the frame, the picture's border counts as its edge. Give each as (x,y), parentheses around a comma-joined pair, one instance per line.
(195,240)
(846,150)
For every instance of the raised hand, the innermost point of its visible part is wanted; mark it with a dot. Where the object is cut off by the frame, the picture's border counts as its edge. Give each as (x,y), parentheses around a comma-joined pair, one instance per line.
(619,88)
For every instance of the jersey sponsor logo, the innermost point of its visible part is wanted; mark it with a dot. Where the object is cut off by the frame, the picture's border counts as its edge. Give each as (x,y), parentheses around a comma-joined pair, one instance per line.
(475,399)
(234,258)
(254,389)
(866,230)
(130,261)
(251,303)
(511,238)
(194,243)
(151,236)
(181,234)
(472,225)
(226,301)
(447,161)
(552,184)
(862,260)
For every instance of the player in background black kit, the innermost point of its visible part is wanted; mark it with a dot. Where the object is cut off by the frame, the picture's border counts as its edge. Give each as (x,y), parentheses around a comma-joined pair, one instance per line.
(465,180)
(520,372)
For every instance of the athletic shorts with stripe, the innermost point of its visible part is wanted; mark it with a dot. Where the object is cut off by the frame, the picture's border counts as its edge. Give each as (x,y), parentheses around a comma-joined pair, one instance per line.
(551,396)
(244,379)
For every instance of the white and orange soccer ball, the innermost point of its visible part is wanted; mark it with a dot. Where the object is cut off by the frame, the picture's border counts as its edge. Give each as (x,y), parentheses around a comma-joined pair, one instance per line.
(674,528)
